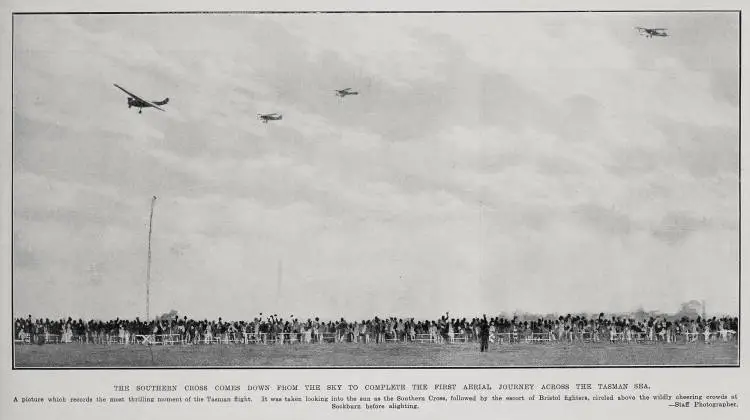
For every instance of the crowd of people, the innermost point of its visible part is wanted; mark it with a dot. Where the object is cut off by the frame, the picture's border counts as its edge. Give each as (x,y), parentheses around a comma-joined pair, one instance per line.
(276,330)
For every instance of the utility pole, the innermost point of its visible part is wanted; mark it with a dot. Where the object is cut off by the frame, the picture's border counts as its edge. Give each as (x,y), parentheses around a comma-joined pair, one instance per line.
(481,241)
(148,267)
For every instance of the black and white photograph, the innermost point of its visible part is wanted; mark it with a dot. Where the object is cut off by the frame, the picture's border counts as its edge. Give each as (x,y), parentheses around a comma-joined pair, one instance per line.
(376,189)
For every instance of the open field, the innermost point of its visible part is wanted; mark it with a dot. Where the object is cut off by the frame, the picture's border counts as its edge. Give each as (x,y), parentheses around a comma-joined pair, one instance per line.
(397,354)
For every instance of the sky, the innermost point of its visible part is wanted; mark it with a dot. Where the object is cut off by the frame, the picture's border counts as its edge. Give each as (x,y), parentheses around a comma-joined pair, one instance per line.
(546,163)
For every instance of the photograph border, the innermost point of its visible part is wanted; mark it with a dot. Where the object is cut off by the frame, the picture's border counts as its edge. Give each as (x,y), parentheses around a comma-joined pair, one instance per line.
(738,12)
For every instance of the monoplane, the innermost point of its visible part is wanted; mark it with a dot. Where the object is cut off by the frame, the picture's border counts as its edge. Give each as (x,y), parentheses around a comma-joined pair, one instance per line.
(269,117)
(346,92)
(140,103)
(652,32)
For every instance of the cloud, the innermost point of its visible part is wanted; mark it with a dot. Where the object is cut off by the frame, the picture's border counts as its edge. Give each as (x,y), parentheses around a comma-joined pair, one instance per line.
(609,221)
(23,254)
(675,228)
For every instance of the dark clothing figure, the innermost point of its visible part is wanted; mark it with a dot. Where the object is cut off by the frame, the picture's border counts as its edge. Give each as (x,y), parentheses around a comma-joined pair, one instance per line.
(484,335)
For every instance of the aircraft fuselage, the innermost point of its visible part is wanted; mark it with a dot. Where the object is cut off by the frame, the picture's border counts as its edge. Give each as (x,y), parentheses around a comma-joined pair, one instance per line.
(136,103)
(269,117)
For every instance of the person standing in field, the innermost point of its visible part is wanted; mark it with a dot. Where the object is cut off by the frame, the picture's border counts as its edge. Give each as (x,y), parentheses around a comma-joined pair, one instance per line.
(484,334)
(316,330)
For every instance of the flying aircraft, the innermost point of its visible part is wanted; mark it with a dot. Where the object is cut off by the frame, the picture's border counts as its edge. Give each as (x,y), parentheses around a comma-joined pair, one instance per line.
(269,117)
(652,32)
(135,101)
(345,92)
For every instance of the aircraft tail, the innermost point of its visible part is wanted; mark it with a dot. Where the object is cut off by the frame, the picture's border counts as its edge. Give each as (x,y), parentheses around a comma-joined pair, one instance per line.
(164,102)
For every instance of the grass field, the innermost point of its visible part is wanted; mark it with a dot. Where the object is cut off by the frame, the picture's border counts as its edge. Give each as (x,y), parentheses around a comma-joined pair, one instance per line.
(397,354)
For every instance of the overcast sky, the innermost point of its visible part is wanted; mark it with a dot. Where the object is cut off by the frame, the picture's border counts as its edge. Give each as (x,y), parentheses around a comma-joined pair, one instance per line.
(492,162)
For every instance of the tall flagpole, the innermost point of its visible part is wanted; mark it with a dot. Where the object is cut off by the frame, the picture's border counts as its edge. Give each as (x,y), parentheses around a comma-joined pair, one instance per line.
(148,267)
(481,241)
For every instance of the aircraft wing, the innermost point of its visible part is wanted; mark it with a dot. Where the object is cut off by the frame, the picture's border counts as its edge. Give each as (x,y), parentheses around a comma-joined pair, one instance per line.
(154,105)
(134,96)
